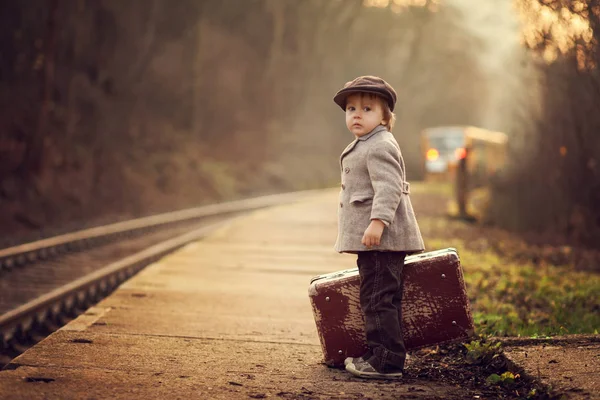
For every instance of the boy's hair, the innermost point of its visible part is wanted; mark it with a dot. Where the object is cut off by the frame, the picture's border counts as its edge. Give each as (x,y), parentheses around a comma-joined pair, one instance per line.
(387,113)
(389,116)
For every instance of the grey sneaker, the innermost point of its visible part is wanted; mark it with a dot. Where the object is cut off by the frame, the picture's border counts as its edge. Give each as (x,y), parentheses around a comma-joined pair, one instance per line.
(362,369)
(364,357)
(349,360)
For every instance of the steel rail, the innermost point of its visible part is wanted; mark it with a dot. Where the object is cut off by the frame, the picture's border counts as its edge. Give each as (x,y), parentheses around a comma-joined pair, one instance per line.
(23,253)
(21,318)
(20,326)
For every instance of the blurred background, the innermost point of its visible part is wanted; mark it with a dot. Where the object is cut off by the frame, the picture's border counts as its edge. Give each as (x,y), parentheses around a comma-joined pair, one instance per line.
(114,109)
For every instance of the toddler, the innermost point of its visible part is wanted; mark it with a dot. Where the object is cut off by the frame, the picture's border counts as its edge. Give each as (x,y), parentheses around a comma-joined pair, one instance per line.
(376,221)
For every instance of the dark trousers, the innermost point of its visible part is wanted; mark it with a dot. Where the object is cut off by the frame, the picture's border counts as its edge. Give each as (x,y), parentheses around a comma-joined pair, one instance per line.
(380,299)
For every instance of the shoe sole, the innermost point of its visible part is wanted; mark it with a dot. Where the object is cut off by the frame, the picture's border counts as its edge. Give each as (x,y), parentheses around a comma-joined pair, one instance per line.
(372,375)
(348,360)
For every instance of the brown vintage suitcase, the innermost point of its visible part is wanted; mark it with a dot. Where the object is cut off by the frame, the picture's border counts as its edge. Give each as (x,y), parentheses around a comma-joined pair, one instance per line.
(435,306)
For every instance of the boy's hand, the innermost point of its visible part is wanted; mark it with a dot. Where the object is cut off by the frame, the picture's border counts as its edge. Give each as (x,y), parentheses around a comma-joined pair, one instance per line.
(372,236)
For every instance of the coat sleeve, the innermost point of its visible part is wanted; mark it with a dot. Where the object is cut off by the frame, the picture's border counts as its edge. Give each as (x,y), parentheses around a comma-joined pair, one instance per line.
(387,175)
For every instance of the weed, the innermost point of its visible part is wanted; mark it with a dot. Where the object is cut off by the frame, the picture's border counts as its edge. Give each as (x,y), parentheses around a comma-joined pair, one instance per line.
(506,378)
(481,352)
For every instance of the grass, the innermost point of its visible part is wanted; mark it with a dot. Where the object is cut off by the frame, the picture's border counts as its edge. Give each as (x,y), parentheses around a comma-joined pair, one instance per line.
(516,299)
(510,297)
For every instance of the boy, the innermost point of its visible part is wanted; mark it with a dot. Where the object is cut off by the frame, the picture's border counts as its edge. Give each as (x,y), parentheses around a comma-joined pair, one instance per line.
(376,221)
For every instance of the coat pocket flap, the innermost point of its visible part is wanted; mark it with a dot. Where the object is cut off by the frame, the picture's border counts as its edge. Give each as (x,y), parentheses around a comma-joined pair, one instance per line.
(361,197)
(405,187)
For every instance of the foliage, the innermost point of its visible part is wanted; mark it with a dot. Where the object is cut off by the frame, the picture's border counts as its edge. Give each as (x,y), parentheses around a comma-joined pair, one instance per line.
(130,108)
(552,182)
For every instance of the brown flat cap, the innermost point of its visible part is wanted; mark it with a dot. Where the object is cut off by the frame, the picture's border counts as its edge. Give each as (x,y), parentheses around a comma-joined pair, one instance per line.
(368,84)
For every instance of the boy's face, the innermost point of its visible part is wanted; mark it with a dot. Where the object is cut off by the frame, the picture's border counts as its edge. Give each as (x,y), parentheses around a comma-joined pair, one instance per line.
(364,112)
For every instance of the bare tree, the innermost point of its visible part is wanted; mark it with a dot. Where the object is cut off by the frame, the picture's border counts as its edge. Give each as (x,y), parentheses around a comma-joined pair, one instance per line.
(555,187)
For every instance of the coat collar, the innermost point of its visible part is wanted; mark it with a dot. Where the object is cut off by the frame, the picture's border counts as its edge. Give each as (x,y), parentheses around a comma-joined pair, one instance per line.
(376,130)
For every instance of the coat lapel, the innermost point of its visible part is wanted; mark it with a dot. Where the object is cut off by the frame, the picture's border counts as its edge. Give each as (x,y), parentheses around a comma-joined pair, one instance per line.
(347,150)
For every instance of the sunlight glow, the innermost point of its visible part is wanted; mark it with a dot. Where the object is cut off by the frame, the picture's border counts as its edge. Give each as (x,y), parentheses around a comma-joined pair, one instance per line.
(399,6)
(556,31)
(377,3)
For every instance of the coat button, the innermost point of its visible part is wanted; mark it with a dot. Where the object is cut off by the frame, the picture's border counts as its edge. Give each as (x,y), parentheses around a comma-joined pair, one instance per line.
(341,205)
(343,187)
(346,170)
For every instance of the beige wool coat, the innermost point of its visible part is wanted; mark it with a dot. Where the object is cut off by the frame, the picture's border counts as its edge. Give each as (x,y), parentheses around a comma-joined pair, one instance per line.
(374,186)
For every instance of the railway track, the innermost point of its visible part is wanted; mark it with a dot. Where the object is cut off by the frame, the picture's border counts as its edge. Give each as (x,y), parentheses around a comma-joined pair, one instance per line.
(45,284)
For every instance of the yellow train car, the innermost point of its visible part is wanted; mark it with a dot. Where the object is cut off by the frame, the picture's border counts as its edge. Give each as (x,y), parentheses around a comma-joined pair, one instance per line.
(444,148)
(466,156)
(485,154)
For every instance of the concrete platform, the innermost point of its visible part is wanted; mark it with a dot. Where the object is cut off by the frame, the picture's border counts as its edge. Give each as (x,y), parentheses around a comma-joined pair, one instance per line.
(223,318)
